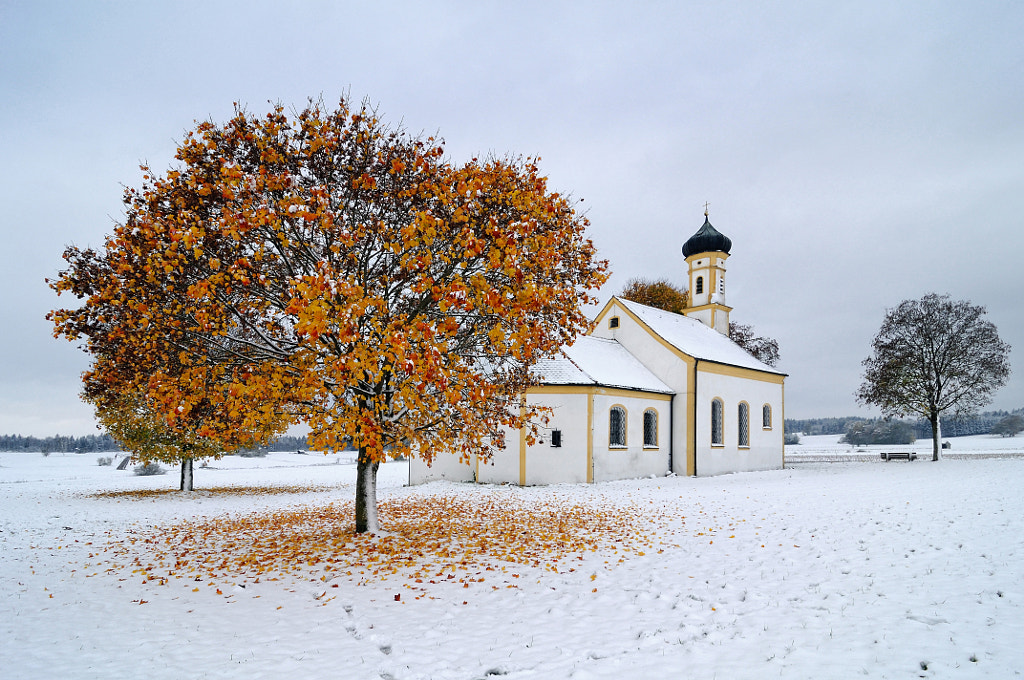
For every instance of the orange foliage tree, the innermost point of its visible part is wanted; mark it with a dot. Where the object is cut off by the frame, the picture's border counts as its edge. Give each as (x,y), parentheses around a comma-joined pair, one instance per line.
(662,294)
(327,268)
(156,392)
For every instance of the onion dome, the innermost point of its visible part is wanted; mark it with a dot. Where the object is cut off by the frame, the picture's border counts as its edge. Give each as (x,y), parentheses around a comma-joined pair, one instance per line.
(707,240)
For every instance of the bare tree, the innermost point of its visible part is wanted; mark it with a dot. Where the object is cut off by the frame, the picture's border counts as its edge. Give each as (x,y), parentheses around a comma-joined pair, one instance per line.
(764,349)
(1010,426)
(933,356)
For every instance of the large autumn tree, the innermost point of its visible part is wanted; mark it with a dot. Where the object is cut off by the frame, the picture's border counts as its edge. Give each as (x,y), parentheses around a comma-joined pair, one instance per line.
(346,274)
(934,356)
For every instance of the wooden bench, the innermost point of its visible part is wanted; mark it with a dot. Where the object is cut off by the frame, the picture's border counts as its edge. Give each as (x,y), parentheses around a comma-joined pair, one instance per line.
(909,455)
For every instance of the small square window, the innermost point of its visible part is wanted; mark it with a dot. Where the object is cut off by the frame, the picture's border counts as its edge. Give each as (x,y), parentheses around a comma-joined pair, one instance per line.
(614,322)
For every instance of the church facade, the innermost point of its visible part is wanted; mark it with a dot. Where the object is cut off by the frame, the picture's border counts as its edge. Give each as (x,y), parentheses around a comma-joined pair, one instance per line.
(647,392)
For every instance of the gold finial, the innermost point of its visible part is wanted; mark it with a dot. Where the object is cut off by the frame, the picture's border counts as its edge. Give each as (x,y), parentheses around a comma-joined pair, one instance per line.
(706,204)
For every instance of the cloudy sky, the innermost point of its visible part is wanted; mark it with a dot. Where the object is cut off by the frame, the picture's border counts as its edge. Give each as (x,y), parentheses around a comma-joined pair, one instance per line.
(857,156)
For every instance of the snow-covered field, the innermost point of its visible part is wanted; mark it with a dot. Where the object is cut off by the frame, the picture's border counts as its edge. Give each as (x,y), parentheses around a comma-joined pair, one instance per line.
(826,448)
(822,570)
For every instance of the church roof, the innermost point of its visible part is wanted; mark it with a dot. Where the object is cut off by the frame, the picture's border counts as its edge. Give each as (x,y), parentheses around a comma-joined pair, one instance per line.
(707,240)
(692,337)
(597,361)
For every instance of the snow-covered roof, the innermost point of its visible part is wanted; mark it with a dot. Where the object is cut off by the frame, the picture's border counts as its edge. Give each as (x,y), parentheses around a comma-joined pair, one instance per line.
(597,361)
(694,338)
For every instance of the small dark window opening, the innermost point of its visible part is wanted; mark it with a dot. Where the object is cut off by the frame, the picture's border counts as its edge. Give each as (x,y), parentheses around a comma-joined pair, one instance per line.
(616,427)
(614,323)
(650,428)
(716,422)
(556,438)
(700,285)
(744,425)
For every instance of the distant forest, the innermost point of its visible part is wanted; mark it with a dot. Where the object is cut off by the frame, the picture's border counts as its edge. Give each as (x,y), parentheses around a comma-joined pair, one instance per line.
(981,423)
(104,442)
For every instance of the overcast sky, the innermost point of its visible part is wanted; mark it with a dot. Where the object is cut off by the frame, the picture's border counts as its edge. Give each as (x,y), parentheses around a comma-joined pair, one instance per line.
(856,156)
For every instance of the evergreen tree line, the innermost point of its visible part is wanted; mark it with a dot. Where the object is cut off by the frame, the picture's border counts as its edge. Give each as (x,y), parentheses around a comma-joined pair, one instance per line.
(59,443)
(104,442)
(980,423)
(813,426)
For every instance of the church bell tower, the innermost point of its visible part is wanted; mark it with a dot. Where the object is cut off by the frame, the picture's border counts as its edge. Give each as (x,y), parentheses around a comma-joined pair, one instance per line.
(706,253)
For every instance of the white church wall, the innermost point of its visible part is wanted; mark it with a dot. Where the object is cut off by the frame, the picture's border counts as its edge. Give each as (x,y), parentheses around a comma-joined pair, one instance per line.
(503,466)
(632,460)
(547,464)
(543,463)
(444,466)
(665,363)
(765,450)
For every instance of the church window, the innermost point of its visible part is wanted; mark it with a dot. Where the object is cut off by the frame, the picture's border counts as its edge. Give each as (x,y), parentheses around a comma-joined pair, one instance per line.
(766,417)
(650,428)
(721,283)
(716,422)
(617,427)
(744,424)
(700,285)
(613,322)
(556,438)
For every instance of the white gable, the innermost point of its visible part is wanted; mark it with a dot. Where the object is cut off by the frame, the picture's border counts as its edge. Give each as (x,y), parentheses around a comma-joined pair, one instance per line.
(597,361)
(694,338)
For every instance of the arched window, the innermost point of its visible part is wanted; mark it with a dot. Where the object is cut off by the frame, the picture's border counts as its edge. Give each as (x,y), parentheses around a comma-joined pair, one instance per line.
(650,428)
(716,422)
(617,426)
(744,424)
(700,285)
(766,417)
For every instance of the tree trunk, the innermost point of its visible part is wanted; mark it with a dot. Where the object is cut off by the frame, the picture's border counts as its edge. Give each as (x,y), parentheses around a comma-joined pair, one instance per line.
(936,436)
(366,494)
(186,474)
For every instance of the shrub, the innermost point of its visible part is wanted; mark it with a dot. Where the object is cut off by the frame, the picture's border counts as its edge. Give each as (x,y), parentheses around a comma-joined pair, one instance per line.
(148,469)
(791,439)
(879,432)
(1009,426)
(104,460)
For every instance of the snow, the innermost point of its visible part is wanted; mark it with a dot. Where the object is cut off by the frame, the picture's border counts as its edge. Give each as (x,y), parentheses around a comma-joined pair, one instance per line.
(598,361)
(694,338)
(822,570)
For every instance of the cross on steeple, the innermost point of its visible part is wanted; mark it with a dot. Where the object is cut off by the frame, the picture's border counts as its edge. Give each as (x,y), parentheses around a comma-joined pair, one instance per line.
(706,204)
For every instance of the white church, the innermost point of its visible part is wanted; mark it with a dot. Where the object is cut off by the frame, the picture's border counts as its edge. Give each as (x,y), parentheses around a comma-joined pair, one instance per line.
(647,392)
